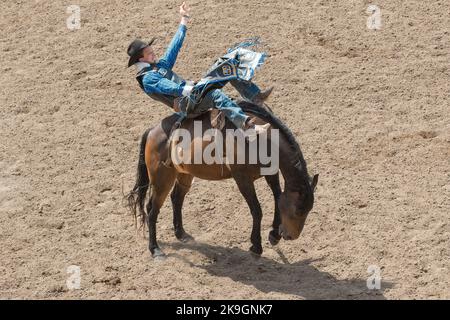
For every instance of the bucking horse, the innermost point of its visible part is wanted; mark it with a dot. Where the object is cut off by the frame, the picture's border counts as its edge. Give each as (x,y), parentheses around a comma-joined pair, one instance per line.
(158,175)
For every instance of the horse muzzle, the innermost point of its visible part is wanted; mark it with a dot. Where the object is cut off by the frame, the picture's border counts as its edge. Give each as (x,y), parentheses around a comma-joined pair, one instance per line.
(285,235)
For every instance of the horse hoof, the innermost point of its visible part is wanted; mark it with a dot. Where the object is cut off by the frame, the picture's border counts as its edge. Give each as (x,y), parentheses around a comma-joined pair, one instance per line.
(185,237)
(255,256)
(256,252)
(157,254)
(273,239)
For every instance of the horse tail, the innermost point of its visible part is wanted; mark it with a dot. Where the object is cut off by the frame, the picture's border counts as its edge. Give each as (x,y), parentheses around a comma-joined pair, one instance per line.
(135,199)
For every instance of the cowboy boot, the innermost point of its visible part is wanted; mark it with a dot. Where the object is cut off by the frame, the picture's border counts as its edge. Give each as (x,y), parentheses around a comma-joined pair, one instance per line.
(262,96)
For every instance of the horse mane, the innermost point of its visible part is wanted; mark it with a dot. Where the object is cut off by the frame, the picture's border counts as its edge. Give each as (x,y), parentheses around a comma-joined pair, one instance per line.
(266,115)
(299,162)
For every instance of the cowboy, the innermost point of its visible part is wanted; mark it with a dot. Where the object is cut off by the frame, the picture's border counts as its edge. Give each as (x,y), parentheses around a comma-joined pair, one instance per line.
(158,80)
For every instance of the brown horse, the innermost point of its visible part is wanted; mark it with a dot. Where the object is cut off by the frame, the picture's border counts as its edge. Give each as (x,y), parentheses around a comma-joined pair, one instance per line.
(291,206)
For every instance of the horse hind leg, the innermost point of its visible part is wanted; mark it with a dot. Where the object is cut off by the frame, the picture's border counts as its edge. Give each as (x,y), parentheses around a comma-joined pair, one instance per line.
(182,186)
(162,182)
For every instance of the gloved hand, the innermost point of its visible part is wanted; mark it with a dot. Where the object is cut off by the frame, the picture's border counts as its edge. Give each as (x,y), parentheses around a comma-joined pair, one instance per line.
(194,98)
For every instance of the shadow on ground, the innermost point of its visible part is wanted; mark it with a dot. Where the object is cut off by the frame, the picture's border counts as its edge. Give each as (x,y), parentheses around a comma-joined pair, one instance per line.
(300,279)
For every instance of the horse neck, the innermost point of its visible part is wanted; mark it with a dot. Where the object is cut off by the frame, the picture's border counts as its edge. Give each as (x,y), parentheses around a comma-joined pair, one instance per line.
(293,168)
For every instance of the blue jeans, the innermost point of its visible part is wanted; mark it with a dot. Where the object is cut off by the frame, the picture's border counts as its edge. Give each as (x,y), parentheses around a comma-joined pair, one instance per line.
(247,89)
(222,102)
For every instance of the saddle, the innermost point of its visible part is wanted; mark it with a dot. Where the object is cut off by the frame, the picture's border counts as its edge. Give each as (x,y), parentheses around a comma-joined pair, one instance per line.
(217,120)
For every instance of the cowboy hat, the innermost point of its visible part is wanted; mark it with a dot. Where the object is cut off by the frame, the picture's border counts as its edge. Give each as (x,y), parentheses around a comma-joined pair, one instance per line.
(135,48)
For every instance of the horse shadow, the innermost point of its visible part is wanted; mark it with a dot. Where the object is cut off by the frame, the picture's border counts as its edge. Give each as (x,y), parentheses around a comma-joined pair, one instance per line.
(299,279)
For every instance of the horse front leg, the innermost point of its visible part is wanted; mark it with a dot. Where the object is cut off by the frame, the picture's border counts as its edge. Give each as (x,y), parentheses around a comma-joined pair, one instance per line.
(274,184)
(247,189)
(182,186)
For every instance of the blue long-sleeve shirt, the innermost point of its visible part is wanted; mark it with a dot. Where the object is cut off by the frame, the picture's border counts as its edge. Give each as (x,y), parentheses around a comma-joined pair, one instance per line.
(153,81)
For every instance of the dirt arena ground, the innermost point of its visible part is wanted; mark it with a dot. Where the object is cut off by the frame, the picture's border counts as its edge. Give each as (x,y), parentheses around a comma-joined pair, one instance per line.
(370,109)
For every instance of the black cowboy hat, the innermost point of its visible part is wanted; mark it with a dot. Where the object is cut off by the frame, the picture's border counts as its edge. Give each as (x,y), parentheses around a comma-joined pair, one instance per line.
(135,48)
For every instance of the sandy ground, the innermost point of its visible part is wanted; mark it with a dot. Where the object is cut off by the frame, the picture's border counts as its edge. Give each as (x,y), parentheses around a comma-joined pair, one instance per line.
(369,108)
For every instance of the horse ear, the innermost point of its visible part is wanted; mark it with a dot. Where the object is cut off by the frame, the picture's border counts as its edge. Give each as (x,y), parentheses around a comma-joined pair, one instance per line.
(314,182)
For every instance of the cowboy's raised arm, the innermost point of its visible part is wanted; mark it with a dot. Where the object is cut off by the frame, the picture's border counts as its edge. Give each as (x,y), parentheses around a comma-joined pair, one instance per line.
(170,56)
